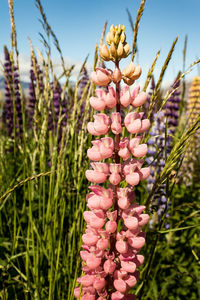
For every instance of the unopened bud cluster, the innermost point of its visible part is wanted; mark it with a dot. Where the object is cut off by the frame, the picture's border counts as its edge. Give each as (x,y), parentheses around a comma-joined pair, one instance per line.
(113,235)
(116,39)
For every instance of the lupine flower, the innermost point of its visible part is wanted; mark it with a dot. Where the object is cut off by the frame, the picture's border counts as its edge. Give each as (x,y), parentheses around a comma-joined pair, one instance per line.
(81,92)
(170,115)
(12,96)
(83,81)
(32,89)
(193,109)
(110,258)
(171,111)
(59,108)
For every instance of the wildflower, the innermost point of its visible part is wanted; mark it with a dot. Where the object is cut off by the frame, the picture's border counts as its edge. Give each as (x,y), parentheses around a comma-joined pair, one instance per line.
(111,257)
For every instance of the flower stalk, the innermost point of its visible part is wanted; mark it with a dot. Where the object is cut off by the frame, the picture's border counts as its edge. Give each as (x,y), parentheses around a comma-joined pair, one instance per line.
(113,236)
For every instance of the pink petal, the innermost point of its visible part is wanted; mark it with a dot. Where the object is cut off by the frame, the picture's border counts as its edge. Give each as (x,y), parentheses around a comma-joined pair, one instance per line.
(143,219)
(111,226)
(133,179)
(123,203)
(135,92)
(115,178)
(90,128)
(109,266)
(110,98)
(88,297)
(140,150)
(124,153)
(86,280)
(97,103)
(144,173)
(135,126)
(131,223)
(145,125)
(94,202)
(93,154)
(139,100)
(102,244)
(117,296)
(121,246)
(99,283)
(89,239)
(138,260)
(120,285)
(135,142)
(95,176)
(93,262)
(84,255)
(128,266)
(131,281)
(106,203)
(136,242)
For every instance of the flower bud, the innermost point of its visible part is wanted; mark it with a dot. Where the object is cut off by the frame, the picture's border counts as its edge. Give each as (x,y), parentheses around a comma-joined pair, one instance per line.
(129,70)
(122,37)
(117,39)
(128,81)
(136,74)
(126,50)
(119,29)
(113,50)
(108,38)
(104,52)
(120,50)
(116,76)
(112,28)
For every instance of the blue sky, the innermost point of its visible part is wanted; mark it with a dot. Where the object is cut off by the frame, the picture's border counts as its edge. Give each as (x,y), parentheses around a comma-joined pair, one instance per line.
(78,25)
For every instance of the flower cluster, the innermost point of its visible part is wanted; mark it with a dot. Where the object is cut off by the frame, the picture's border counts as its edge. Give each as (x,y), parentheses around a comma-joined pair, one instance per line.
(113,235)
(83,81)
(12,115)
(59,107)
(169,115)
(171,112)
(32,88)
(193,109)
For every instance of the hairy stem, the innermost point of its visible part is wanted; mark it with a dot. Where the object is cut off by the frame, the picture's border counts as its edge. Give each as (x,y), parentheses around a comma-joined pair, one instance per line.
(116,161)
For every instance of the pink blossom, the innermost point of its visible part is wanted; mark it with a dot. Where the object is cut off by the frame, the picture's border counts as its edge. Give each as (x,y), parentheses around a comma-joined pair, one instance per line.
(98,103)
(124,149)
(109,255)
(100,125)
(138,99)
(110,98)
(116,123)
(101,76)
(125,96)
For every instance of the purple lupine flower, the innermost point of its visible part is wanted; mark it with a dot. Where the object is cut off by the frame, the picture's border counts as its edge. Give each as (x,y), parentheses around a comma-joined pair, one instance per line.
(172,113)
(83,82)
(12,96)
(156,157)
(32,88)
(158,142)
(58,109)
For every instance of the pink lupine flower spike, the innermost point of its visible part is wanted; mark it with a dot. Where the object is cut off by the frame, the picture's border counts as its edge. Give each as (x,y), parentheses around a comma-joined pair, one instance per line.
(113,236)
